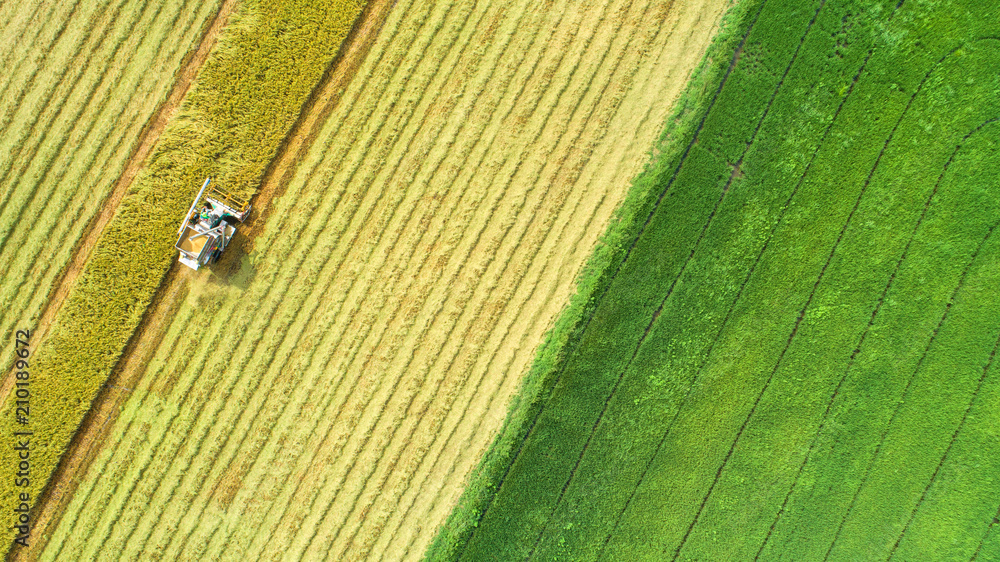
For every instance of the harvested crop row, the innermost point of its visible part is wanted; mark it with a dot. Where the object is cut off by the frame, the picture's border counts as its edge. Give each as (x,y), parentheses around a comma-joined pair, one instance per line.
(399,290)
(230,127)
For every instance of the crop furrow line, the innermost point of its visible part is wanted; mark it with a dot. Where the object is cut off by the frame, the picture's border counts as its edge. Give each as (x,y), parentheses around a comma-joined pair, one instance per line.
(451,209)
(391,174)
(282,221)
(467,154)
(56,229)
(455,425)
(84,499)
(522,88)
(656,314)
(29,81)
(472,322)
(15,66)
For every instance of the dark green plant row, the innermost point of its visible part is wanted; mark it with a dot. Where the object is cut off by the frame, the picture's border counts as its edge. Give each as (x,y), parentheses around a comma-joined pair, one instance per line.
(795,359)
(247,96)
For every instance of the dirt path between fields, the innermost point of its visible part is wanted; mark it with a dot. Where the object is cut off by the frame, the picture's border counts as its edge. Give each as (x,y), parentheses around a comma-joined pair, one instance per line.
(85,445)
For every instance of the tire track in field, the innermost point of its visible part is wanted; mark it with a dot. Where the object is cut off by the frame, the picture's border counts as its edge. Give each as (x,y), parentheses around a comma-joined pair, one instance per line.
(954,436)
(355,47)
(802,314)
(857,348)
(930,343)
(447,368)
(439,441)
(205,52)
(144,144)
(982,541)
(338,125)
(934,333)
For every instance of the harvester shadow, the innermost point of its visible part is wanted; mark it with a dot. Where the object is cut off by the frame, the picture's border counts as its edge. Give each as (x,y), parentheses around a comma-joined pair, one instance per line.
(234,268)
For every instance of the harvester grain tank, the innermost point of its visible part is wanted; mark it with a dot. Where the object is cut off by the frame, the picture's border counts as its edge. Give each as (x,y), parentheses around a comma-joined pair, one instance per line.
(209,226)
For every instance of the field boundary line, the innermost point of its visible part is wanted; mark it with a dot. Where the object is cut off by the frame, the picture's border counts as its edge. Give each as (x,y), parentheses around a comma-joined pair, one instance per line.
(586,323)
(69,465)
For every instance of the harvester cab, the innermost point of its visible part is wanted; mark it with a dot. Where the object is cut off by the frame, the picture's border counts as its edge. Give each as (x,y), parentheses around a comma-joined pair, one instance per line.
(209,226)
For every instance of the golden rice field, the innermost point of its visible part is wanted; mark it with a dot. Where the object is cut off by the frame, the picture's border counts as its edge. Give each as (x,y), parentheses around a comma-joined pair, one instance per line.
(81,80)
(329,397)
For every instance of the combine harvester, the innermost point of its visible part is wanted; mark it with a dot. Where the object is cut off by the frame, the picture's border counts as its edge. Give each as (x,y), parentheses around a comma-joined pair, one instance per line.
(207,230)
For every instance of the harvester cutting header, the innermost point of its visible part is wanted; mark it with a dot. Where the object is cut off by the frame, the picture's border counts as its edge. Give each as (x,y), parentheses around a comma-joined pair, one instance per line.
(209,226)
